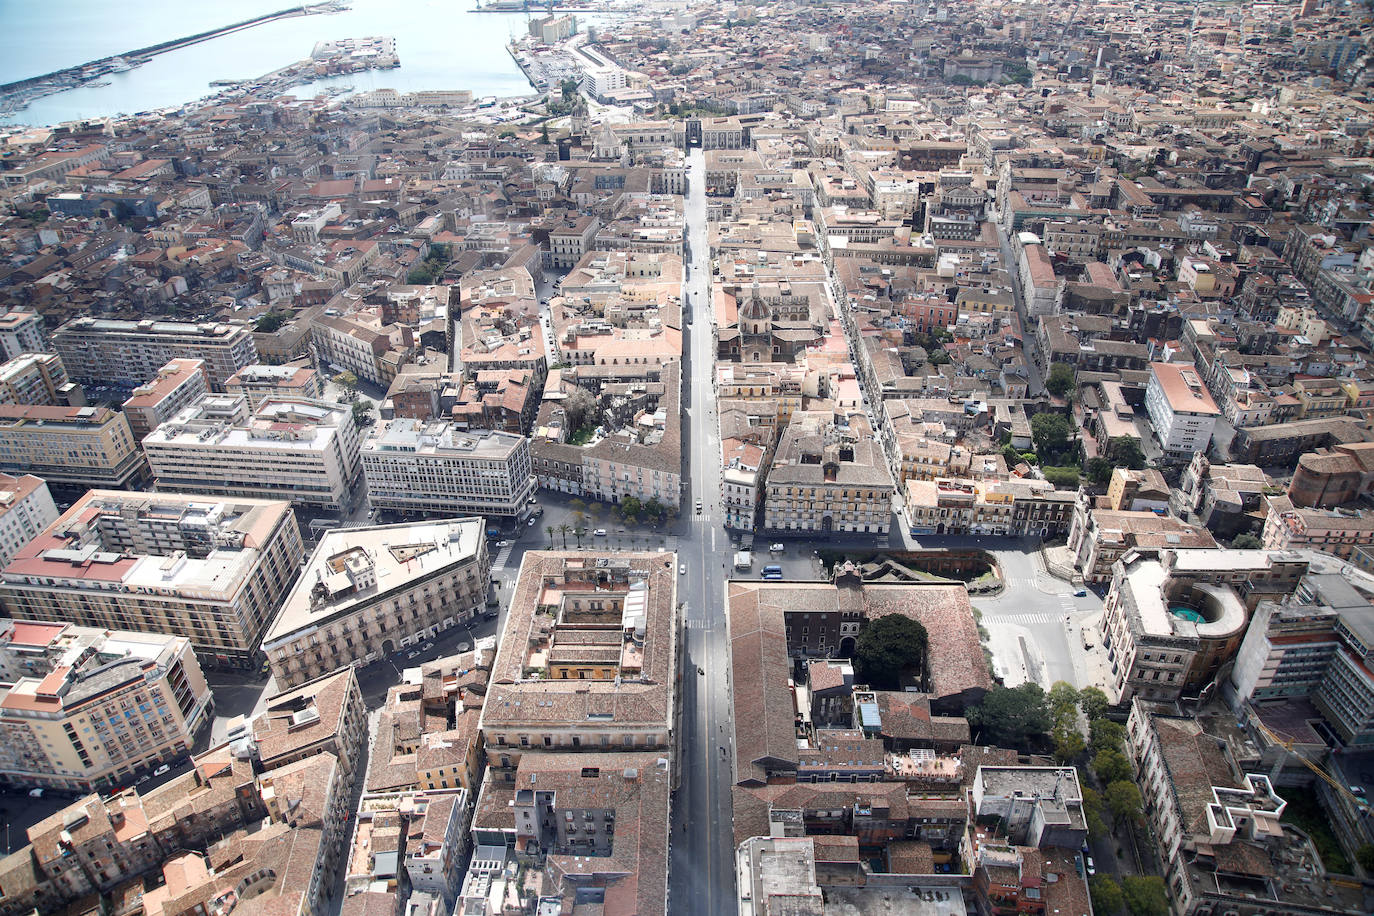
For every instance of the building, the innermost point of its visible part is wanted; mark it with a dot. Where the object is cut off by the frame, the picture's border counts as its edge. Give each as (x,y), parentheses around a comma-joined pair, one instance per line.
(1137,491)
(104,351)
(1338,531)
(368,592)
(26,510)
(773,624)
(419,466)
(588,660)
(1010,508)
(20,333)
(1173,618)
(38,378)
(212,570)
(828,475)
(1328,478)
(72,448)
(741,468)
(178,385)
(1099,537)
(1281,444)
(1227,499)
(261,381)
(1182,412)
(94,708)
(1220,833)
(300,450)
(362,344)
(318,716)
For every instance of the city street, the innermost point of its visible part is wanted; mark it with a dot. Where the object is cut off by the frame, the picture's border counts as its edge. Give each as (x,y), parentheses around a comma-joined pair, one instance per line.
(702,870)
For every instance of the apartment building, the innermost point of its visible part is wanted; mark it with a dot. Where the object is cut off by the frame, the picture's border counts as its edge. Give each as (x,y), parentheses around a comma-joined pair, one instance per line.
(1098,537)
(38,378)
(177,385)
(297,449)
(1182,412)
(435,466)
(599,674)
(323,715)
(1339,531)
(741,470)
(104,351)
(95,707)
(1222,840)
(997,507)
(72,448)
(211,570)
(362,344)
(368,592)
(260,381)
(26,509)
(569,242)
(21,332)
(828,475)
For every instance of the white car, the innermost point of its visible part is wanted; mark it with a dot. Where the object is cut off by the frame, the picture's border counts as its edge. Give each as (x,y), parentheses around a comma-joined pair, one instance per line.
(162,770)
(35,793)
(600,532)
(777,548)
(503,543)
(682,569)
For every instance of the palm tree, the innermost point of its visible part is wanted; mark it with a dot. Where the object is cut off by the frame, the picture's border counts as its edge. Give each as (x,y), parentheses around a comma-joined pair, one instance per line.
(550,530)
(563,530)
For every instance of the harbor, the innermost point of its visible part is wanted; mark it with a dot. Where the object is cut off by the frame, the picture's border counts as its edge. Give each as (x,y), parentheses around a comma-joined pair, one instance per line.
(17,94)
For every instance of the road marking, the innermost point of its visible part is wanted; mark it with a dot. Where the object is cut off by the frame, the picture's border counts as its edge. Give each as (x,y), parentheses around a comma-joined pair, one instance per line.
(1021,618)
(698,625)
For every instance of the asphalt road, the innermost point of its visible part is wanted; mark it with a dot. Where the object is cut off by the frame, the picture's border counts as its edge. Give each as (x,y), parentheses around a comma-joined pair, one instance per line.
(701,879)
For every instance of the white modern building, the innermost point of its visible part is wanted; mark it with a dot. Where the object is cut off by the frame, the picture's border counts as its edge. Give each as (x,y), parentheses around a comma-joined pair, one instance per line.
(20,332)
(106,351)
(422,466)
(178,385)
(213,570)
(296,449)
(87,708)
(1181,410)
(26,509)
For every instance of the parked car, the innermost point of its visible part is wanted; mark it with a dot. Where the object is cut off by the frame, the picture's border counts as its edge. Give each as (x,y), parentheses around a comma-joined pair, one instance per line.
(1080,593)
(682,569)
(36,793)
(531,522)
(600,533)
(1088,863)
(162,770)
(777,548)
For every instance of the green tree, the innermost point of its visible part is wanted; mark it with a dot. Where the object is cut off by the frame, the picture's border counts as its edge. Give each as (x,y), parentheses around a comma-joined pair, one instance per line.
(1246,541)
(1050,432)
(1100,470)
(1063,698)
(1145,895)
(1126,452)
(362,413)
(1068,743)
(579,532)
(1111,765)
(1365,856)
(630,507)
(1064,478)
(568,88)
(349,382)
(1093,702)
(550,529)
(1011,715)
(563,530)
(888,648)
(1106,894)
(271,321)
(1106,735)
(1093,809)
(544,134)
(1061,379)
(1123,800)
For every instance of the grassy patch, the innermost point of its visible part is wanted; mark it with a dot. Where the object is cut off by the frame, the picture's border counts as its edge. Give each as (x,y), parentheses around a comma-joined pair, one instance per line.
(1304,811)
(582,436)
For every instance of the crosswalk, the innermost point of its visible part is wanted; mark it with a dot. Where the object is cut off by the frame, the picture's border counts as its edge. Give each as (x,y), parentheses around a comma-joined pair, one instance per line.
(1020,582)
(502,555)
(1043,617)
(697,624)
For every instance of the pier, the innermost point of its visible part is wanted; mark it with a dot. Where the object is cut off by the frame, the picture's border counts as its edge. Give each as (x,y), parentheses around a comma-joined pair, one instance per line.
(18,93)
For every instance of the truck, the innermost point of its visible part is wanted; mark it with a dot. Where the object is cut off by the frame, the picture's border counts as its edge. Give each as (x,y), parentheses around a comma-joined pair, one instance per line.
(744,560)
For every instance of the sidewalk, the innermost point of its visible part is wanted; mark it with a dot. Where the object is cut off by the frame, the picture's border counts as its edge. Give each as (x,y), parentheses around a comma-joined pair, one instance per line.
(1058,562)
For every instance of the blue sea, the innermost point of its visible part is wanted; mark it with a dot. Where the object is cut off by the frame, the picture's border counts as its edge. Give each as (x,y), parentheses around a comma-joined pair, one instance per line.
(441,45)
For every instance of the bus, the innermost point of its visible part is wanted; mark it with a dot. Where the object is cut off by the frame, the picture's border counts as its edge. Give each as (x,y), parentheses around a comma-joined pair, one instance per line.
(772,572)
